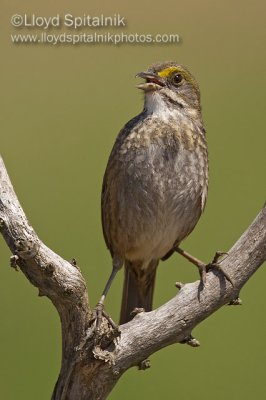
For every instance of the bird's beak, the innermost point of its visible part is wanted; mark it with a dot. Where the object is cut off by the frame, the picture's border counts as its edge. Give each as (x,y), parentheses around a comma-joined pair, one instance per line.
(153,81)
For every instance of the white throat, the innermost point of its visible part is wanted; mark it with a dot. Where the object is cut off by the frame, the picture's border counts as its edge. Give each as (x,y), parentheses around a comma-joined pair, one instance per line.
(154,104)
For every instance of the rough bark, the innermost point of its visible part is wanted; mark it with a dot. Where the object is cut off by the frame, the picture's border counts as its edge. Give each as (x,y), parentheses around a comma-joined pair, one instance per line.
(88,372)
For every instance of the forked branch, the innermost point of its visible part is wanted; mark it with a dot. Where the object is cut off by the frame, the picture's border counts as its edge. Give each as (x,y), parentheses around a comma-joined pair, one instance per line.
(91,373)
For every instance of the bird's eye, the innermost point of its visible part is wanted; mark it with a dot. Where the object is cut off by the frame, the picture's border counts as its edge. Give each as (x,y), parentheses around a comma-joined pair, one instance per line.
(177,78)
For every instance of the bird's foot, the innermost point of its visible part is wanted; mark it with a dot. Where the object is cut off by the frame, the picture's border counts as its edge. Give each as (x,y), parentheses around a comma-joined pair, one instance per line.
(105,329)
(204,268)
(215,265)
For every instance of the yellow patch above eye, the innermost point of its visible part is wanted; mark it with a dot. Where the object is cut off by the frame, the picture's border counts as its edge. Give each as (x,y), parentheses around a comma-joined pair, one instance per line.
(167,72)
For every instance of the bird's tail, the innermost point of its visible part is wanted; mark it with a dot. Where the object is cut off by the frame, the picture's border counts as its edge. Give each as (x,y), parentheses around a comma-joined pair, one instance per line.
(138,288)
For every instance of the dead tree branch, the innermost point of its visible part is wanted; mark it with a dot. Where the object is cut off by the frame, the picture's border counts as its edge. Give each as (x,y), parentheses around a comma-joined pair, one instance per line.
(82,376)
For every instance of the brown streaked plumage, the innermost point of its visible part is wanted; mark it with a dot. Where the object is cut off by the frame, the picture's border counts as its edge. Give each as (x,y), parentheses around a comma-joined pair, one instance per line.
(155,184)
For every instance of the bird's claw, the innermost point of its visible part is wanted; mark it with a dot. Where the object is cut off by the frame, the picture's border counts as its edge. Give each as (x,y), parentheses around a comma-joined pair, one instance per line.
(215,264)
(106,332)
(204,268)
(203,272)
(218,255)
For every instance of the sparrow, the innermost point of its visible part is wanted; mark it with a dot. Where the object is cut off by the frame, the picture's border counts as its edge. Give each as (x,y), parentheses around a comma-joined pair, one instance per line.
(155,184)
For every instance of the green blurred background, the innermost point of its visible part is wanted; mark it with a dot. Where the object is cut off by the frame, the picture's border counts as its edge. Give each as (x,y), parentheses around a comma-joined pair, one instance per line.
(61,109)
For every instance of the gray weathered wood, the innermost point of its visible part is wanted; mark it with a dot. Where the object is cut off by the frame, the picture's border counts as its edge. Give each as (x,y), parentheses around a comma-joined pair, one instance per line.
(91,373)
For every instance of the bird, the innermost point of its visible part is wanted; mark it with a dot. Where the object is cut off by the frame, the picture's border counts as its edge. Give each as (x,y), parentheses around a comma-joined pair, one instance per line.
(155,184)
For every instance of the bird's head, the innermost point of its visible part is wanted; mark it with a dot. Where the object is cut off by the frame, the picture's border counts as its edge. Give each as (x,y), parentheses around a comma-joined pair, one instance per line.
(169,85)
